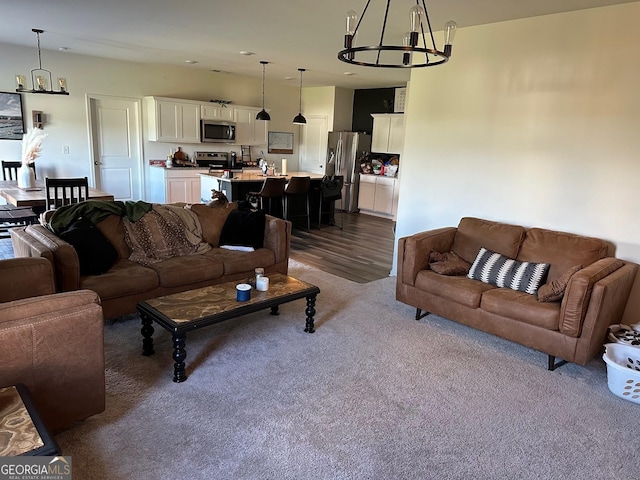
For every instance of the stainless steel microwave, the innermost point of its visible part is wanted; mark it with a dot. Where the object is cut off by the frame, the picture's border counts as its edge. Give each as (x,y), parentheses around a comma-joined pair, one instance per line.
(216,131)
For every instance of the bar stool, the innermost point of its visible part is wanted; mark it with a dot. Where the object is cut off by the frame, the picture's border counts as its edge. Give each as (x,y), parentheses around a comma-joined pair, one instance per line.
(297,187)
(272,187)
(330,192)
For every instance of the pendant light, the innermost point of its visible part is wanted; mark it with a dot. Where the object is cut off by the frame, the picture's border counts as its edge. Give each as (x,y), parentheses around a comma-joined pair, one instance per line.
(414,51)
(262,114)
(41,81)
(299,119)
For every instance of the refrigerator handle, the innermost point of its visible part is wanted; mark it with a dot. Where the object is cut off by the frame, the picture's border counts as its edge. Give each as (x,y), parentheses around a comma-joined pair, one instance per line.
(339,156)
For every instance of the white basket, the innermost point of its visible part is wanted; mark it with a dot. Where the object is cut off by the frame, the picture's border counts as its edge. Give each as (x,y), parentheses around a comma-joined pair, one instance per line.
(623,370)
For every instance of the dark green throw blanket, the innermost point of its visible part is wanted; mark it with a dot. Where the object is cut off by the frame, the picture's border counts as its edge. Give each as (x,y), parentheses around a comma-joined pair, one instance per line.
(95,211)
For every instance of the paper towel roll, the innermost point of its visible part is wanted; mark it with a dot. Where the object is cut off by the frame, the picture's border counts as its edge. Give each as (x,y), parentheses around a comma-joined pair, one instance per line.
(283,167)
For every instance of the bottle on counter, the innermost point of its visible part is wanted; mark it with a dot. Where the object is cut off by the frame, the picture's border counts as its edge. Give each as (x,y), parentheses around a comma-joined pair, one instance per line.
(169,162)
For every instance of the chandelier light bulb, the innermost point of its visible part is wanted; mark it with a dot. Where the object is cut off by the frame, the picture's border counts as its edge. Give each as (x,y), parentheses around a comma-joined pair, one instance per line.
(352,22)
(416,13)
(449,32)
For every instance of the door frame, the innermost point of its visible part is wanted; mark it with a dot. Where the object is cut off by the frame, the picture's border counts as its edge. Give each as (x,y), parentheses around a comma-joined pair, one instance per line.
(93,146)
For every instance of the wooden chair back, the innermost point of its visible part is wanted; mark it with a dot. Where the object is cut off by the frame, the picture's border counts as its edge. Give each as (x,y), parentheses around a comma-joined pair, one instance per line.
(65,191)
(10,169)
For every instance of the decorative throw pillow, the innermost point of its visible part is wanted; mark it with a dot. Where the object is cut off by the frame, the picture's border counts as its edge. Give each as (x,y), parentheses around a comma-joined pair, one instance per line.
(95,254)
(244,228)
(495,269)
(448,263)
(554,291)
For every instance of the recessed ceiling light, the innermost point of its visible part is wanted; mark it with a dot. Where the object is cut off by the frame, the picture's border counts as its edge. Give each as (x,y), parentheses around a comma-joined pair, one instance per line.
(288,78)
(190,62)
(215,70)
(63,49)
(349,74)
(246,52)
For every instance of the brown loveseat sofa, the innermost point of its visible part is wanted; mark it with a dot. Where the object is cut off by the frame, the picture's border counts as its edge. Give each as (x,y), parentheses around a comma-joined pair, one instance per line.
(41,348)
(127,282)
(572,328)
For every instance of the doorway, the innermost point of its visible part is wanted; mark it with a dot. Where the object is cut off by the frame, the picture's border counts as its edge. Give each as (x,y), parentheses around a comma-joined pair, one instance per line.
(115,136)
(313,143)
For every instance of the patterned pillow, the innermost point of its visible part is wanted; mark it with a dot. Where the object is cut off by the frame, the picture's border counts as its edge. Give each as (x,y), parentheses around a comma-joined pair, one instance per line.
(495,269)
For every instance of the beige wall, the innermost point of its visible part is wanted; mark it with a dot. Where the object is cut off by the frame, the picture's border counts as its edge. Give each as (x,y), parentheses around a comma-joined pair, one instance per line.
(534,122)
(66,117)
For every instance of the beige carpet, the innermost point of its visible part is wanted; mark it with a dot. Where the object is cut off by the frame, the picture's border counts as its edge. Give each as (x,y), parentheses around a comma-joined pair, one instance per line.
(373,394)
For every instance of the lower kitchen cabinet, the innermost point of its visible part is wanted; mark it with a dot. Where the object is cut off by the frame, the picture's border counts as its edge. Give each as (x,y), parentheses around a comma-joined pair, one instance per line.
(171,185)
(378,195)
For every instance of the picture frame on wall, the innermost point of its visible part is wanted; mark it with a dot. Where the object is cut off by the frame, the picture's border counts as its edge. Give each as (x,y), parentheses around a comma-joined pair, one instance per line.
(11,116)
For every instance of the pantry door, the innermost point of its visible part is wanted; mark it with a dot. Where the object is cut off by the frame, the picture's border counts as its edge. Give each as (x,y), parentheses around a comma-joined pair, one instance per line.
(116,145)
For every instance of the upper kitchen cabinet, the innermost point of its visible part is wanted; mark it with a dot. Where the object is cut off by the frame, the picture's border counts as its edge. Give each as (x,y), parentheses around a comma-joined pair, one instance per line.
(388,133)
(173,121)
(249,131)
(216,112)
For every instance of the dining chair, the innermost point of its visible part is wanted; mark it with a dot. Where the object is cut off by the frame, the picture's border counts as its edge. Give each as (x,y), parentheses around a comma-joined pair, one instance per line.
(272,187)
(65,191)
(297,187)
(330,192)
(10,169)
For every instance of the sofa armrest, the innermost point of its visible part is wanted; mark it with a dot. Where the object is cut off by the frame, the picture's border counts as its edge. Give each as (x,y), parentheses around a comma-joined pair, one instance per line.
(65,259)
(277,237)
(414,250)
(54,344)
(25,277)
(578,293)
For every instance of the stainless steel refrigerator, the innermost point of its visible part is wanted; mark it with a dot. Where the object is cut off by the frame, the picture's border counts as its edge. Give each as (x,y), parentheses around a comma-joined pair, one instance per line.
(344,151)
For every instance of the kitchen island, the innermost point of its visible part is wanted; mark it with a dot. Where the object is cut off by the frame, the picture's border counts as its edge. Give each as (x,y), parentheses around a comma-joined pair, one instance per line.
(242,183)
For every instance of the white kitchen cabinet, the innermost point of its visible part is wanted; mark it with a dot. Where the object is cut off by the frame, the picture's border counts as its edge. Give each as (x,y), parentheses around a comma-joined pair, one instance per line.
(249,131)
(388,133)
(171,185)
(173,121)
(378,195)
(366,192)
(216,112)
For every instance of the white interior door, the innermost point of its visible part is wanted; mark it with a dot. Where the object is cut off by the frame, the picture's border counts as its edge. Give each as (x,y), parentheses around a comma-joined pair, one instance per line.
(313,152)
(116,140)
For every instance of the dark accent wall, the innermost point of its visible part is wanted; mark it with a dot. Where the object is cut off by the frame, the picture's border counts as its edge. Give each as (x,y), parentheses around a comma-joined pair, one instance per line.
(368,101)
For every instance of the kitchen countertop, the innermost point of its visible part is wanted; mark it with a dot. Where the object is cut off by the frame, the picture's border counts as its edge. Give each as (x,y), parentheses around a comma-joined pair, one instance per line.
(258,176)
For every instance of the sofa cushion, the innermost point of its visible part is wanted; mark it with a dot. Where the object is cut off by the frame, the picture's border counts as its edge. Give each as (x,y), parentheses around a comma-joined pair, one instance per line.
(244,228)
(188,269)
(554,291)
(495,269)
(112,228)
(448,263)
(562,250)
(474,233)
(96,255)
(124,278)
(457,289)
(522,307)
(212,220)
(238,262)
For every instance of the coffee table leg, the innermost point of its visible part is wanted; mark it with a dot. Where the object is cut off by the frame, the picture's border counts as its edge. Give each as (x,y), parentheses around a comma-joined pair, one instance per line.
(179,354)
(147,335)
(310,311)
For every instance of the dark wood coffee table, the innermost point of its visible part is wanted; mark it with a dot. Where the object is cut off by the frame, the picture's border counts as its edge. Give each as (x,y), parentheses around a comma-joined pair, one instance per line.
(183,312)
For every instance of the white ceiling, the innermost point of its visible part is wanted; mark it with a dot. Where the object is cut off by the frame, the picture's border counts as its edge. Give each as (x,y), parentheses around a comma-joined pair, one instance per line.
(290,34)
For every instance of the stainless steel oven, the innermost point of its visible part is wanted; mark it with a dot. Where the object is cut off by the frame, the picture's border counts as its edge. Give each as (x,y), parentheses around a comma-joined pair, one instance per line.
(212,160)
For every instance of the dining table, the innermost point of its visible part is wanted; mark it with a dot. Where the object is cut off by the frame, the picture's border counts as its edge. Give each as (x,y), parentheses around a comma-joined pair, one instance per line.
(36,197)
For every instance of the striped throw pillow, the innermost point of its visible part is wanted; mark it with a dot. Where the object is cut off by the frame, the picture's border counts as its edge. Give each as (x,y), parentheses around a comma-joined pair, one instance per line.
(495,269)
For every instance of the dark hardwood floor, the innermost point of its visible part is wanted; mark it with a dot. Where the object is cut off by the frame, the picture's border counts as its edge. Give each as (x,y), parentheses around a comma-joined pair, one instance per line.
(362,251)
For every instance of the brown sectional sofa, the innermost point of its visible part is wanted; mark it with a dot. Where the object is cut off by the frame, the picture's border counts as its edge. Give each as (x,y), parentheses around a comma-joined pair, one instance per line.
(127,282)
(572,329)
(41,348)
